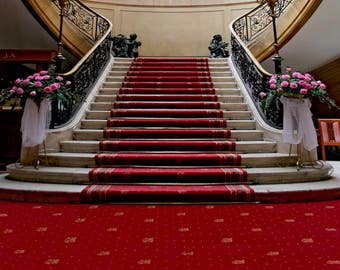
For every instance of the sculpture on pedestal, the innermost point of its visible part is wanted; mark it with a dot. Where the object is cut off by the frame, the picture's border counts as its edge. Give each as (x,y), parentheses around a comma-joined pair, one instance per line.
(218,48)
(125,47)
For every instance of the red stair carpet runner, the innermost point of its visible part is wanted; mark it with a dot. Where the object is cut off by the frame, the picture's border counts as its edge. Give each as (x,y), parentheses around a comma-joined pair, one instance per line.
(167,132)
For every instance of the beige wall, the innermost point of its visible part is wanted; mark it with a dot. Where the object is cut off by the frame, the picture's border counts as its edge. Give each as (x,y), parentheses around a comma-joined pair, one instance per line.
(172,30)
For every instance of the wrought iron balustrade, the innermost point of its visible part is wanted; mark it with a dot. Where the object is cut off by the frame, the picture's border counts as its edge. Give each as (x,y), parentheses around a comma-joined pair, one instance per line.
(88,69)
(254,77)
(256,21)
(87,21)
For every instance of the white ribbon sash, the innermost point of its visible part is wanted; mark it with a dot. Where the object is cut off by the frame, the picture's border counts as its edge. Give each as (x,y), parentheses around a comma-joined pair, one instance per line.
(298,125)
(34,122)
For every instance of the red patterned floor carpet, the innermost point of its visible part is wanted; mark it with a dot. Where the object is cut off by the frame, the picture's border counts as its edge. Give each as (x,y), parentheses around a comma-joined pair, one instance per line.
(167,126)
(170,237)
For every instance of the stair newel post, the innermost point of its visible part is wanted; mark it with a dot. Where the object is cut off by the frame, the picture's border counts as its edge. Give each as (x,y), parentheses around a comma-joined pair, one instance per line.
(60,58)
(272,13)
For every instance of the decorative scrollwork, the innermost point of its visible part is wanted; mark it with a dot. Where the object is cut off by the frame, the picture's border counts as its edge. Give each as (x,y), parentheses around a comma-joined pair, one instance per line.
(94,26)
(91,24)
(89,72)
(255,81)
(82,82)
(240,27)
(254,22)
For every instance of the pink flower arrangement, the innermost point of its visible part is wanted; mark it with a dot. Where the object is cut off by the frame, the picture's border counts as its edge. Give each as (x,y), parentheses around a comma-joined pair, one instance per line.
(294,84)
(38,86)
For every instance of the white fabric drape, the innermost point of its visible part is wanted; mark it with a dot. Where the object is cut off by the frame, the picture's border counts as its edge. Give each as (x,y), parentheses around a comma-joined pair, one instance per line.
(34,122)
(298,125)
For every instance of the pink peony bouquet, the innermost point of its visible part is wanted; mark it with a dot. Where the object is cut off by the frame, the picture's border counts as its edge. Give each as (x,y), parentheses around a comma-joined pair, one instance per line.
(295,85)
(38,86)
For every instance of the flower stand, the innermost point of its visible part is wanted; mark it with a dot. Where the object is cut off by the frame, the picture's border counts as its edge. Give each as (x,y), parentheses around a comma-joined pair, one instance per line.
(298,126)
(34,123)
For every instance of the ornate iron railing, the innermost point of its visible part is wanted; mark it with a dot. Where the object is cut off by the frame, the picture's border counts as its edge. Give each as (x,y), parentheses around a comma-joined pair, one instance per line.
(253,23)
(88,22)
(255,80)
(82,78)
(254,77)
(88,69)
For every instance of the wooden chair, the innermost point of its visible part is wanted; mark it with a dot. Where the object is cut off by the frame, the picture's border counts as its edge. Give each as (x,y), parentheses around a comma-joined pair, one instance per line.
(329,134)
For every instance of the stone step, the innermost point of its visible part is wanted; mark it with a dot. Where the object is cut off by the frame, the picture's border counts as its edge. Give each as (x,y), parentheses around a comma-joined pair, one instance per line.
(214,79)
(69,175)
(221,68)
(86,160)
(241,147)
(230,115)
(121,64)
(214,66)
(232,124)
(217,85)
(210,60)
(223,94)
(212,63)
(218,63)
(105,101)
(239,135)
(98,106)
(126,66)
(122,59)
(117,73)
(121,68)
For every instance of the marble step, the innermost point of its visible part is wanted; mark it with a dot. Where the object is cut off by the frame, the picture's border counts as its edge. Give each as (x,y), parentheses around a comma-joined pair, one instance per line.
(239,135)
(224,95)
(232,124)
(117,73)
(213,68)
(122,59)
(212,61)
(98,106)
(214,79)
(253,160)
(217,85)
(241,147)
(69,175)
(107,100)
(230,115)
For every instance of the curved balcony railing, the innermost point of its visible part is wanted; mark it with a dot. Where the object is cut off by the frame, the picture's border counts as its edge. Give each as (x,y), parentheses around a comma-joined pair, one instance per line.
(86,72)
(87,21)
(249,26)
(255,78)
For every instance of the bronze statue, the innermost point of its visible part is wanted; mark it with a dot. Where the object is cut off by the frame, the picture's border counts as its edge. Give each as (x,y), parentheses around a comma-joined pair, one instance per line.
(119,46)
(125,47)
(218,48)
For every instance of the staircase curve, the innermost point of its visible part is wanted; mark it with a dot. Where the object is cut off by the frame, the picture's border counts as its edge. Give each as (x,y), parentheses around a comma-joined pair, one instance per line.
(169,129)
(48,13)
(291,16)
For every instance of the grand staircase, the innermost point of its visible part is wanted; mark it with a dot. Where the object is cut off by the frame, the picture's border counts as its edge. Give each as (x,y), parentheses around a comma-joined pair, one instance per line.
(168,129)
